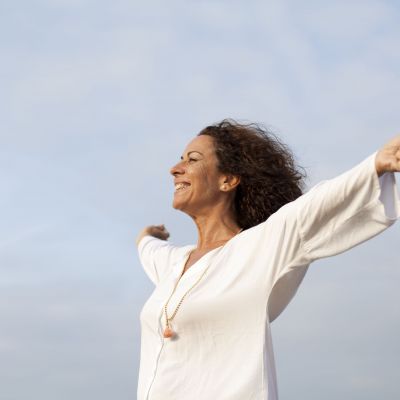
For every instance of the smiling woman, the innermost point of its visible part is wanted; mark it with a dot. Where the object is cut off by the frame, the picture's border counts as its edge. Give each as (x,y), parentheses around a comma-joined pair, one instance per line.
(198,182)
(206,327)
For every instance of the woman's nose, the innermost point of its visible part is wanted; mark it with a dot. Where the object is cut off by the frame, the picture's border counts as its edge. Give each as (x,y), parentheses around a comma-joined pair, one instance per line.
(176,169)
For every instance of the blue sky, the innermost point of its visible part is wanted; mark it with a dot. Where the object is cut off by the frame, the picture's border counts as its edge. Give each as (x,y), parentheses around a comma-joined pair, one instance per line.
(98,101)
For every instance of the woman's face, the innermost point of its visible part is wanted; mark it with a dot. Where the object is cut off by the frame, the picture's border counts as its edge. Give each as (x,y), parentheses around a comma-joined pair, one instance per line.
(196,177)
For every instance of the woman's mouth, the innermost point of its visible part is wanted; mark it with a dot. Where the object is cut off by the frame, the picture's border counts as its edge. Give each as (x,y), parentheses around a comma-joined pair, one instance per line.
(182,186)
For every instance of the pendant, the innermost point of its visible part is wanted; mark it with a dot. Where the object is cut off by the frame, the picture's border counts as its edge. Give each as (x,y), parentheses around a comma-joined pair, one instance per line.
(168,332)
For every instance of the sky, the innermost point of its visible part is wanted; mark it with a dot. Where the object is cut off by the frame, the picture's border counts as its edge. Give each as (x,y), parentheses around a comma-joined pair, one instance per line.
(99,99)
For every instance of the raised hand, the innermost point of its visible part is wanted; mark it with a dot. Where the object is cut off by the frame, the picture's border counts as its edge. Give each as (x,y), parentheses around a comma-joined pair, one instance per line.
(388,157)
(158,231)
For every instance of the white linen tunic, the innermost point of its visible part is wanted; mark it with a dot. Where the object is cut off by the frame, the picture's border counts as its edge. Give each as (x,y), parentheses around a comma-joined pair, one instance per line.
(223,349)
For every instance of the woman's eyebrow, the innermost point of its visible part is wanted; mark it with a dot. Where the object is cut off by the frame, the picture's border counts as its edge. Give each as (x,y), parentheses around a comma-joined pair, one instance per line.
(190,152)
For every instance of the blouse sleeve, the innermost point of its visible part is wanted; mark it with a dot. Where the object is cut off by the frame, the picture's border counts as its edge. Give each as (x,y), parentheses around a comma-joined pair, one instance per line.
(332,217)
(157,257)
(337,214)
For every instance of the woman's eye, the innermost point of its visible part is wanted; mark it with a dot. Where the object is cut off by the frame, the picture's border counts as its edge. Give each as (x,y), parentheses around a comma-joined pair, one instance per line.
(192,159)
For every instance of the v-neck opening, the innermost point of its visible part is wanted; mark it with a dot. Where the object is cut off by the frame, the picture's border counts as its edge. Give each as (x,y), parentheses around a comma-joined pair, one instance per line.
(195,264)
(182,275)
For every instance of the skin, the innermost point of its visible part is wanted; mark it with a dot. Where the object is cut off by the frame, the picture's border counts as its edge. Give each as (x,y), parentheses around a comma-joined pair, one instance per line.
(209,198)
(388,157)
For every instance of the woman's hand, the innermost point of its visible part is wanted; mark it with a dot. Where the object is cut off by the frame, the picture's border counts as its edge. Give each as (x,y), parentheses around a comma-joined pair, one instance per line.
(388,157)
(157,231)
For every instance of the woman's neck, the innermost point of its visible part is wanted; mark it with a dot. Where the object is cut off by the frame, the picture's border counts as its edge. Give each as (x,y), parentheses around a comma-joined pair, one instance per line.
(215,232)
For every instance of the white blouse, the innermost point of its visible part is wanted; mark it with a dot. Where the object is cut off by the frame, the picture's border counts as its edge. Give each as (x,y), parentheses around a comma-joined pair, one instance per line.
(223,348)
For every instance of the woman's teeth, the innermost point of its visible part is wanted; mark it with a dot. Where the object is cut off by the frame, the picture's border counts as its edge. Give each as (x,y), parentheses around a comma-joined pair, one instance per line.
(181,186)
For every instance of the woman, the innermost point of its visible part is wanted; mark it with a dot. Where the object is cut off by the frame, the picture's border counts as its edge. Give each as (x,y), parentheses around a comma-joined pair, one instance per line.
(206,327)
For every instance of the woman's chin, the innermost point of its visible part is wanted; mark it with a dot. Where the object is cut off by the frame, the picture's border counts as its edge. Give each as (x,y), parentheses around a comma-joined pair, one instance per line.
(177,205)
(181,206)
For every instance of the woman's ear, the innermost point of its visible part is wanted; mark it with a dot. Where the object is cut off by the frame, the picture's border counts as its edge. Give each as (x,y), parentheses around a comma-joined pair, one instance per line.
(229,182)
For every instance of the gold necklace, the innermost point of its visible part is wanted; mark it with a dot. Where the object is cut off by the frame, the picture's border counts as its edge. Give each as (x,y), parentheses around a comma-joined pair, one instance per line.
(168,332)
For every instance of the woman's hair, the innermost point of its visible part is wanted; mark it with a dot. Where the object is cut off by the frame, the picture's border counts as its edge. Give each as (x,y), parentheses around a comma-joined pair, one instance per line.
(268,175)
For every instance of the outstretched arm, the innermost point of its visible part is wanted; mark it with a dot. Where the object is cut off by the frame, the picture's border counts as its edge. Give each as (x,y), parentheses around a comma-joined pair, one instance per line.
(156,254)
(339,213)
(388,157)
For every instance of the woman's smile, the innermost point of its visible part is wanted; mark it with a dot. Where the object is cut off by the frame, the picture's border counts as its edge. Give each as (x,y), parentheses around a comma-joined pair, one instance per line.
(181,187)
(195,176)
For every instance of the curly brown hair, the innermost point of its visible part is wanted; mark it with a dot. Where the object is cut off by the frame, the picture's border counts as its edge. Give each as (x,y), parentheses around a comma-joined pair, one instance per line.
(268,175)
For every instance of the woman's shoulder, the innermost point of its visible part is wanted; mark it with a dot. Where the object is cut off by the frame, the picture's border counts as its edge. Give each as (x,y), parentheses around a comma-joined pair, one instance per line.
(161,243)
(274,225)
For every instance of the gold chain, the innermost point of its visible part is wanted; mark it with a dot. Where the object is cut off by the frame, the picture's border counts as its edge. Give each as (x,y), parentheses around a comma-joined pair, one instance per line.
(168,332)
(183,297)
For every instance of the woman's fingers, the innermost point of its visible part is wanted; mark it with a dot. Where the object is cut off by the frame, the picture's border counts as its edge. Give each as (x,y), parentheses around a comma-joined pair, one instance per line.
(159,231)
(388,157)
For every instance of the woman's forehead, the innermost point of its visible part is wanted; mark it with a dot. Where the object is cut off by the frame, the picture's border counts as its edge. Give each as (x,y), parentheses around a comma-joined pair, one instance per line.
(203,144)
